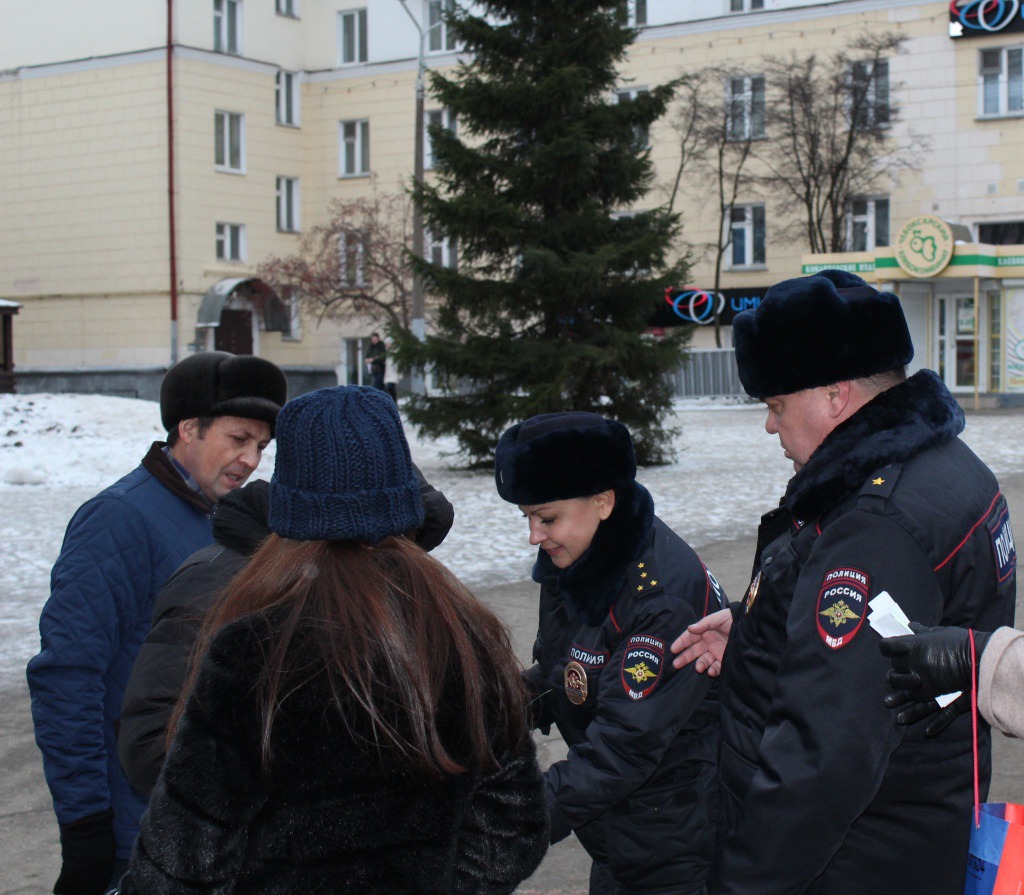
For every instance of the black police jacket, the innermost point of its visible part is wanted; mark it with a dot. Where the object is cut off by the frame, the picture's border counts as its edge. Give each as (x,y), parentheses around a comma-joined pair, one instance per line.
(638,786)
(821,791)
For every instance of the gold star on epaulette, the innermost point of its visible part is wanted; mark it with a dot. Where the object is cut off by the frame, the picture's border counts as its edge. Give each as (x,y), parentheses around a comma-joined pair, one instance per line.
(654,584)
(878,481)
(643,574)
(639,565)
(639,587)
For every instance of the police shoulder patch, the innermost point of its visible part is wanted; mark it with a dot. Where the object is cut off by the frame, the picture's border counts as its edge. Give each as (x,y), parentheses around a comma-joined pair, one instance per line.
(841,604)
(641,665)
(1002,543)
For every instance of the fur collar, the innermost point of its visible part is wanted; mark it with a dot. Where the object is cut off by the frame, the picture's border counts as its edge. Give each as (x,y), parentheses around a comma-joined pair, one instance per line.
(899,423)
(592,583)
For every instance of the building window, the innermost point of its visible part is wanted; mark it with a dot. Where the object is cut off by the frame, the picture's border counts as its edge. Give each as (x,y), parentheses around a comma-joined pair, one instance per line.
(442,252)
(227,26)
(867,224)
(746,227)
(634,12)
(288,204)
(230,242)
(869,95)
(441,118)
(352,36)
(355,148)
(439,36)
(290,298)
(745,5)
(352,259)
(229,141)
(641,136)
(744,101)
(1007,233)
(1001,81)
(287,8)
(286,97)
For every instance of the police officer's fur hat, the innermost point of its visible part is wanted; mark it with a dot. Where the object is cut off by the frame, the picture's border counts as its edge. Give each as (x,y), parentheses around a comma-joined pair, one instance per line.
(557,456)
(816,330)
(216,383)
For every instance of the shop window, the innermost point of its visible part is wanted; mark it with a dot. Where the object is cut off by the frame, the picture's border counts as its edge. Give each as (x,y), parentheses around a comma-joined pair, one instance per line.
(1005,233)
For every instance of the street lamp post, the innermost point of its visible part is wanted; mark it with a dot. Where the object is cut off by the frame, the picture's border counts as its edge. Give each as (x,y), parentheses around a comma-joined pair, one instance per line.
(418,324)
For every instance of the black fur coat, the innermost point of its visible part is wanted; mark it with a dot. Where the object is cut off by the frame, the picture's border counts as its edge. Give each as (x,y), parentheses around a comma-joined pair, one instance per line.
(335,814)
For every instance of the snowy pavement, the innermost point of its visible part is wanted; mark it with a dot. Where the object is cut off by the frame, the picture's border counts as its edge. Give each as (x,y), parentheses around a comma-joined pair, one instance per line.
(58,450)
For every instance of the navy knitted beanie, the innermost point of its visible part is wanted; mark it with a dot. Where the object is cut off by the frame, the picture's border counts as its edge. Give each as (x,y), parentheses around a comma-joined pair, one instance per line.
(343,470)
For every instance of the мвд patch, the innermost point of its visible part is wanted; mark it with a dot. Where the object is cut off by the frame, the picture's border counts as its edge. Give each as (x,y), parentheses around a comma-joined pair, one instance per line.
(641,665)
(841,603)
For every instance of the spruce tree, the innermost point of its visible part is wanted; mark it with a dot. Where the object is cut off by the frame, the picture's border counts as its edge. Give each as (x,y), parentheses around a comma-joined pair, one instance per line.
(558,271)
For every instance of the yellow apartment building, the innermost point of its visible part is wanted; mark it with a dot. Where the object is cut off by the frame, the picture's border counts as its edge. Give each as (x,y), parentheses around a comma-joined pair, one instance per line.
(152,155)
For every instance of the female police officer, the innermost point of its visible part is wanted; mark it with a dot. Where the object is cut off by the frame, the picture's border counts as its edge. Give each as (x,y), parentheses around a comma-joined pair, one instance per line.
(638,785)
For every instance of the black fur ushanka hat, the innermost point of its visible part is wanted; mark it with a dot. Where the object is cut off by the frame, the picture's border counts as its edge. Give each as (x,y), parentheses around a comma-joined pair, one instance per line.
(558,456)
(218,383)
(816,330)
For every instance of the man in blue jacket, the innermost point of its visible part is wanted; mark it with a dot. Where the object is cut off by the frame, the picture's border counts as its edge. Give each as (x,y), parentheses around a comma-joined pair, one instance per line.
(120,547)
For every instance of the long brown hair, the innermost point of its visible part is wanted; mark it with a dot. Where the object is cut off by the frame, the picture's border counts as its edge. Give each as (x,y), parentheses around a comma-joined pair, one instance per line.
(397,636)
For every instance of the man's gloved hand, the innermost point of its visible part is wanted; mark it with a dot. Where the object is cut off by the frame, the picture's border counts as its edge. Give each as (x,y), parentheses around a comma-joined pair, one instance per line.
(87,851)
(927,664)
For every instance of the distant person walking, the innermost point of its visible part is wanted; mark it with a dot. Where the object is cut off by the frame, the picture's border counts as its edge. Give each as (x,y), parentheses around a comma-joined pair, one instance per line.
(120,547)
(376,360)
(356,723)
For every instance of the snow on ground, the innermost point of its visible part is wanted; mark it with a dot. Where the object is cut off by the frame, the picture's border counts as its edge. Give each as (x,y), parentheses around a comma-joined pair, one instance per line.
(56,451)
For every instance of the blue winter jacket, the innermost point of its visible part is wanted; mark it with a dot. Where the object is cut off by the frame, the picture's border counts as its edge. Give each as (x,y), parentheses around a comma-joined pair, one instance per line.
(119,550)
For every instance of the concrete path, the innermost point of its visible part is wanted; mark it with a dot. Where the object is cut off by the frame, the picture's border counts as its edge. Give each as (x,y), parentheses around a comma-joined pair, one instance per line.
(29,849)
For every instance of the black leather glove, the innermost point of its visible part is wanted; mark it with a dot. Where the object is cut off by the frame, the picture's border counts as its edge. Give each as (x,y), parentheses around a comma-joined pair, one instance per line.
(87,852)
(927,664)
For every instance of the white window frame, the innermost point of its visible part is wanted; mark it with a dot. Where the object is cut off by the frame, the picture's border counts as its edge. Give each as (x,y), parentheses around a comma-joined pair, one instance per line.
(745,107)
(1001,89)
(867,216)
(227,27)
(636,13)
(354,148)
(641,135)
(288,204)
(230,242)
(224,125)
(442,117)
(352,39)
(745,5)
(879,80)
(289,8)
(352,259)
(439,38)
(443,252)
(286,98)
(747,234)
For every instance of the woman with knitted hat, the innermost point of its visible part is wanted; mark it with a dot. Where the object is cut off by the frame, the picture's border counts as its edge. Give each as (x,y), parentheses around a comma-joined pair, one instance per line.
(356,723)
(638,787)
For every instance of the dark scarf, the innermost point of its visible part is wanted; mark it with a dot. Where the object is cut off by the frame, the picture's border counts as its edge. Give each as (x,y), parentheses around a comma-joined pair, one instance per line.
(592,583)
(894,426)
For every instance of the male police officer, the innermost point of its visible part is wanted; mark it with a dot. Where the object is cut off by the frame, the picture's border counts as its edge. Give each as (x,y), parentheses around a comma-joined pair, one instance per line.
(121,546)
(821,791)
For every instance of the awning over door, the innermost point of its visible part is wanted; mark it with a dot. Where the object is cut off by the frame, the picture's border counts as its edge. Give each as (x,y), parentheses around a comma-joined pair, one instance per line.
(263,299)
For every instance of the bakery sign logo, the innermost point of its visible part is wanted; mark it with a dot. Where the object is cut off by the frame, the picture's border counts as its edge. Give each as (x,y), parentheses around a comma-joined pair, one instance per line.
(924,246)
(976,18)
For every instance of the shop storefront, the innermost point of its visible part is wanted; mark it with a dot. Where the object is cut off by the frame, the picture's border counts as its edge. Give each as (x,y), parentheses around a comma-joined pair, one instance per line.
(964,304)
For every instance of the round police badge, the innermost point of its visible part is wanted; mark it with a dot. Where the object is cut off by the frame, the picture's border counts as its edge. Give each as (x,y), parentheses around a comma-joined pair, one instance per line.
(755,586)
(575,683)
